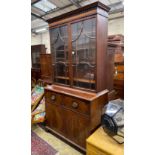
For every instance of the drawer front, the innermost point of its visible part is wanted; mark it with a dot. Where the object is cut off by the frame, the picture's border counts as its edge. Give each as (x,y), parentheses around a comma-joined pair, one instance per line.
(76,104)
(52,97)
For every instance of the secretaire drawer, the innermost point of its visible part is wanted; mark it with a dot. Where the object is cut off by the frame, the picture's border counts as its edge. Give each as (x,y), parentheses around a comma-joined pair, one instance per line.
(52,97)
(76,104)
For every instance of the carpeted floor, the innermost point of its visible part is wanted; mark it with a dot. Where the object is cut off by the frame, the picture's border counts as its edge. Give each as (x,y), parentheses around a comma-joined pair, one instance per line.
(54,142)
(40,147)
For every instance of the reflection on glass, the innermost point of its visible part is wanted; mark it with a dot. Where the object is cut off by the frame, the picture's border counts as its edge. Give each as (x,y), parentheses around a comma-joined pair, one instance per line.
(59,47)
(36,59)
(84,53)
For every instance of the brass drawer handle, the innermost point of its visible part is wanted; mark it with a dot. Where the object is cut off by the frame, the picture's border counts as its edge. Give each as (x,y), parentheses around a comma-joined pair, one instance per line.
(53,97)
(75,105)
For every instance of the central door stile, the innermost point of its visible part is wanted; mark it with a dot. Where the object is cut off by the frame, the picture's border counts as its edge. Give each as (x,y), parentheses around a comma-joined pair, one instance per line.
(70,54)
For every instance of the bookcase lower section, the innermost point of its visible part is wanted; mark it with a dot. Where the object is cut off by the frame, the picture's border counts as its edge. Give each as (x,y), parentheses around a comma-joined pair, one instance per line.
(73,117)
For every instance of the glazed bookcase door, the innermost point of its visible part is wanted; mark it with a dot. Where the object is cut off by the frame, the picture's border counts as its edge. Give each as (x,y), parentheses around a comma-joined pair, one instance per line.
(59,48)
(36,59)
(84,53)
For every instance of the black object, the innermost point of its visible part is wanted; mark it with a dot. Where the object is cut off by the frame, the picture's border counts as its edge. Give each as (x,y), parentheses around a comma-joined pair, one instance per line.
(112,119)
(109,125)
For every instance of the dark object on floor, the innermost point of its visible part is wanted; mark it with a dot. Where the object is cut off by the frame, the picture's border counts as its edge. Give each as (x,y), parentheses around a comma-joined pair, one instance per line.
(40,147)
(113,119)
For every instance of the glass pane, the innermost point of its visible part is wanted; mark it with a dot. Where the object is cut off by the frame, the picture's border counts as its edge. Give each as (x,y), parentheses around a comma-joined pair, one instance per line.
(36,59)
(84,53)
(59,49)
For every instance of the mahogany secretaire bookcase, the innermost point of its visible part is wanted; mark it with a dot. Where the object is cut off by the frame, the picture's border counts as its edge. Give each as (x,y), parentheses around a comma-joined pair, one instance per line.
(79,64)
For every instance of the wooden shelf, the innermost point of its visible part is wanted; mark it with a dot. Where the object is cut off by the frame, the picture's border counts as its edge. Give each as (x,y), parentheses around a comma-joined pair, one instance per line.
(80,49)
(76,79)
(65,62)
(61,62)
(84,80)
(75,64)
(92,65)
(61,50)
(62,77)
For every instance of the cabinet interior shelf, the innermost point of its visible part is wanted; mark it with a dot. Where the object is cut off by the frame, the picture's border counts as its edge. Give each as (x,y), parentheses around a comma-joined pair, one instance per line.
(75,63)
(86,48)
(78,49)
(76,79)
(61,50)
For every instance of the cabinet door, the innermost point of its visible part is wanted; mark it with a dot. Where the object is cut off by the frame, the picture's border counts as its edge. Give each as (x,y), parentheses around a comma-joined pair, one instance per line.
(84,53)
(76,127)
(59,49)
(35,56)
(54,117)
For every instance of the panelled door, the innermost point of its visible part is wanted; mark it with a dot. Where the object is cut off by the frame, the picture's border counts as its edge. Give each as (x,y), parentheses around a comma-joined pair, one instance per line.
(74,54)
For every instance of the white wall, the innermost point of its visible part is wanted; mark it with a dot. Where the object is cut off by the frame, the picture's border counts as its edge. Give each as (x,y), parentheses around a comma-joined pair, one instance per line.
(45,39)
(115,26)
(42,38)
(35,39)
